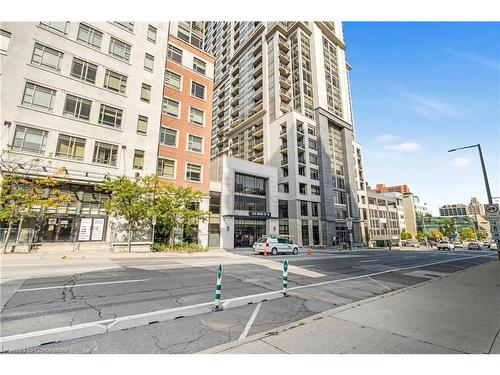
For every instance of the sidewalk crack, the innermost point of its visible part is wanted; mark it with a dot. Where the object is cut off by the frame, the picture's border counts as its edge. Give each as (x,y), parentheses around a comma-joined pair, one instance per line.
(493,342)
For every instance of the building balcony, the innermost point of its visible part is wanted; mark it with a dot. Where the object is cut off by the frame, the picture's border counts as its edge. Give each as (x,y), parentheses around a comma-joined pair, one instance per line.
(285,83)
(257,59)
(285,96)
(284,161)
(284,70)
(235,123)
(235,101)
(284,58)
(285,108)
(220,104)
(300,129)
(258,106)
(258,94)
(257,71)
(258,144)
(257,131)
(283,45)
(220,114)
(257,83)
(282,131)
(236,70)
(236,90)
(301,145)
(284,146)
(221,93)
(302,161)
(235,112)
(235,80)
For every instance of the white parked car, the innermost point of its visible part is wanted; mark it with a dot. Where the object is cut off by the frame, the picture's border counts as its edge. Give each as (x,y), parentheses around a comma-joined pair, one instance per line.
(474,246)
(445,245)
(274,245)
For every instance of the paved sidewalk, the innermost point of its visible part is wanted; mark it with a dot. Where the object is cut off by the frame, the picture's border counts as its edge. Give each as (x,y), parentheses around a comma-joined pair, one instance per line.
(459,313)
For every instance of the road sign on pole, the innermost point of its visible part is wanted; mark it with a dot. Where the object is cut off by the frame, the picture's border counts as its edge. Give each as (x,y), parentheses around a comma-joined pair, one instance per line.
(492,212)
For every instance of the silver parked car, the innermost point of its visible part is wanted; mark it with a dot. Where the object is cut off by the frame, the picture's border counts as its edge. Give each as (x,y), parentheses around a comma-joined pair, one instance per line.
(275,245)
(474,246)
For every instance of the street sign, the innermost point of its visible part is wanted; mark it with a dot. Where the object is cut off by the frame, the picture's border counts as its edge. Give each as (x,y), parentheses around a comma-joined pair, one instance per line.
(348,221)
(492,212)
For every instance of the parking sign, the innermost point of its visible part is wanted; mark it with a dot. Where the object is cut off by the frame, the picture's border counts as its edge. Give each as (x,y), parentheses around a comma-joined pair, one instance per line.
(492,212)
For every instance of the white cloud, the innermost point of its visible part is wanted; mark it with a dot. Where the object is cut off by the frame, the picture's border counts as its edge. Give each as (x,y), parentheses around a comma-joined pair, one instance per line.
(427,106)
(386,138)
(461,162)
(481,60)
(405,146)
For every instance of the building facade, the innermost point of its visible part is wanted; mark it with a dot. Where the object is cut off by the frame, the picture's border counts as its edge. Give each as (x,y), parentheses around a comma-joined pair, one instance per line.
(383,223)
(282,99)
(85,97)
(186,118)
(453,210)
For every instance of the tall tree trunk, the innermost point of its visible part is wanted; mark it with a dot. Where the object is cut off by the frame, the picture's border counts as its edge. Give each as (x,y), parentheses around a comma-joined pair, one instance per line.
(129,237)
(9,229)
(19,230)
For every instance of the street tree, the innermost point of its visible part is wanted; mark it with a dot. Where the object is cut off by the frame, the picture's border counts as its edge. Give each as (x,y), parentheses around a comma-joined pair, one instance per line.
(27,188)
(420,236)
(481,234)
(436,234)
(177,208)
(447,227)
(132,200)
(405,235)
(468,234)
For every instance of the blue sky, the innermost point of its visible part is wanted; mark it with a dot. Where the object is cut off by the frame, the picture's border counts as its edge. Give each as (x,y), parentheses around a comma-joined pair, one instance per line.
(419,89)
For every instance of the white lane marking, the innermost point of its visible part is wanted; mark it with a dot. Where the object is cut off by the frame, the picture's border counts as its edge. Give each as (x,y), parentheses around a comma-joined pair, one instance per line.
(411,256)
(378,282)
(369,260)
(250,322)
(383,272)
(77,285)
(24,265)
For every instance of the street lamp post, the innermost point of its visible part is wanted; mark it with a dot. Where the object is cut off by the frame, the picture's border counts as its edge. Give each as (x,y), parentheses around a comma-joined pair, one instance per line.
(486,183)
(349,230)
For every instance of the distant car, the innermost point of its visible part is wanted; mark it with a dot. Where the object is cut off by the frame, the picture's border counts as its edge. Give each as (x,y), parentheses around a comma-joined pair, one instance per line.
(275,245)
(445,245)
(411,244)
(493,246)
(474,246)
(458,244)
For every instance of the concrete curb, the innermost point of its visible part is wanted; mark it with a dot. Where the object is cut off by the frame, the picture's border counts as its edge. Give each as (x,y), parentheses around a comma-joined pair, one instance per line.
(37,338)
(259,336)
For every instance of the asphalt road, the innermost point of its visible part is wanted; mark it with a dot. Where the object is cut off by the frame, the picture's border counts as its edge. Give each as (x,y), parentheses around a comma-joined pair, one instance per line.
(127,286)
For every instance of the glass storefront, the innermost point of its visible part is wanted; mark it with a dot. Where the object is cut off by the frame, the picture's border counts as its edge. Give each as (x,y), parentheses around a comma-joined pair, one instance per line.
(248,231)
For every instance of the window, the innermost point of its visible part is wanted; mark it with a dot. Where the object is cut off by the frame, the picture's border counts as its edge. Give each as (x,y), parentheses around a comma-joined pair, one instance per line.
(314,174)
(315,190)
(110,116)
(283,188)
(56,26)
(152,34)
(170,107)
(70,147)
(83,70)
(302,188)
(197,90)
(46,57)
(119,49)
(174,53)
(166,168)
(303,208)
(313,159)
(305,232)
(195,143)
(105,153)
(142,125)
(115,81)
(193,172)
(168,136)
(199,65)
(173,80)
(145,93)
(4,41)
(302,171)
(126,25)
(313,145)
(149,62)
(89,35)
(285,171)
(77,107)
(311,129)
(138,159)
(196,116)
(30,140)
(38,96)
(249,184)
(314,209)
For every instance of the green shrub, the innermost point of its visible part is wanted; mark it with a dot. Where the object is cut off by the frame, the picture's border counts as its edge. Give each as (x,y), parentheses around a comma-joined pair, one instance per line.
(180,248)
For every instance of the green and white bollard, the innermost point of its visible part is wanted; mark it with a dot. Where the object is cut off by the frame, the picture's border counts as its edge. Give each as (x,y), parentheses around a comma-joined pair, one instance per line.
(285,276)
(218,287)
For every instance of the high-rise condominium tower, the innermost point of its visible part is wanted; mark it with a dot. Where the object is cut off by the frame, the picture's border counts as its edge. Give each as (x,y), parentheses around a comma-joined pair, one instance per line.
(282,98)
